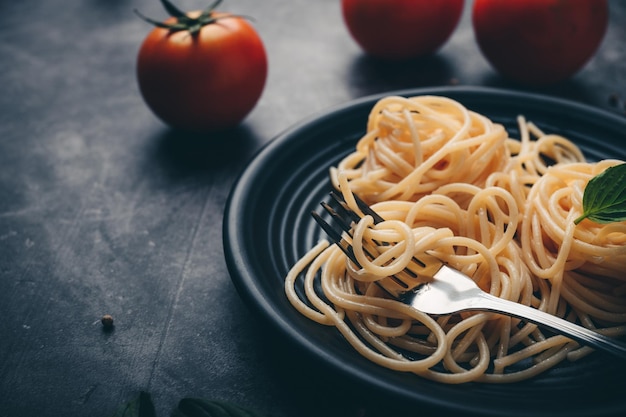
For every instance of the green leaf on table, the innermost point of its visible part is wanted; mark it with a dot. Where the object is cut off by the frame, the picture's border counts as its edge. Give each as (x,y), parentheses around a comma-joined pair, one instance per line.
(140,406)
(199,407)
(604,199)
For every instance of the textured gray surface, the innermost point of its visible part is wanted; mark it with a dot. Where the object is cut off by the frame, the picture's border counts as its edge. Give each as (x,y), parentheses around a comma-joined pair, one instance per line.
(104,210)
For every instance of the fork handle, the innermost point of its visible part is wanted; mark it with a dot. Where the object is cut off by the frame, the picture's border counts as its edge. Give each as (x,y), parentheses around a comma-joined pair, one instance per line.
(574,331)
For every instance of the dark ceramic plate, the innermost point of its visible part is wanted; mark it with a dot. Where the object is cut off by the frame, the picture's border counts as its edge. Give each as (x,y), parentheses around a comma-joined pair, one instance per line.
(267,227)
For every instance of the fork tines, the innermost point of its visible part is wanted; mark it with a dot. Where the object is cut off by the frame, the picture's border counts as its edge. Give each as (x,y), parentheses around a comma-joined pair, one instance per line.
(340,233)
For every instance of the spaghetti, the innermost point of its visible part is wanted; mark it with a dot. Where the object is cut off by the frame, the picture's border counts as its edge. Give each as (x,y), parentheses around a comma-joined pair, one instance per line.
(501,210)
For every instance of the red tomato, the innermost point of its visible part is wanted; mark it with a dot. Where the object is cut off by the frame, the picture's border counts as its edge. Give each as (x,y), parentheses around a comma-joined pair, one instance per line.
(204,81)
(401,29)
(539,41)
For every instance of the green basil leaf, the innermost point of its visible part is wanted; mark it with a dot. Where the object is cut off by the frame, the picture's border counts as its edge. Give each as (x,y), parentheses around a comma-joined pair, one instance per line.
(199,407)
(140,406)
(604,199)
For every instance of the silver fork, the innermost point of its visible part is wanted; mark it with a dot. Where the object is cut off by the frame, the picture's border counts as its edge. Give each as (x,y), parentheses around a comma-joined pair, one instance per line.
(433,287)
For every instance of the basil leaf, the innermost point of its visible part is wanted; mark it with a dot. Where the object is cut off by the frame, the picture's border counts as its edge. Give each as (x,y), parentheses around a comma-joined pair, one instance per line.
(140,406)
(198,407)
(604,199)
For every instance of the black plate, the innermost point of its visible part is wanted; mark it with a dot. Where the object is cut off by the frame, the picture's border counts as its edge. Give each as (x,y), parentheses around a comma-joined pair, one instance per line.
(267,227)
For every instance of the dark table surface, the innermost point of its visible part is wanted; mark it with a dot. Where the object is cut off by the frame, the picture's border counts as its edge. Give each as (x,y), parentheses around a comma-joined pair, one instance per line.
(105,210)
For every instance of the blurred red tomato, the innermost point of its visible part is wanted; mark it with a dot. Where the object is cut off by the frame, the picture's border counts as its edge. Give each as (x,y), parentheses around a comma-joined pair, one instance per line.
(401,29)
(539,41)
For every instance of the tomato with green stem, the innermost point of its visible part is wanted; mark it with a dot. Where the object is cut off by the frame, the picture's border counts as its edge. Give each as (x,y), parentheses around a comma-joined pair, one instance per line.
(203,70)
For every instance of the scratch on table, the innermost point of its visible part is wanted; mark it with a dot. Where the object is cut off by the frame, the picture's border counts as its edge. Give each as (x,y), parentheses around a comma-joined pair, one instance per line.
(85,396)
(9,234)
(179,288)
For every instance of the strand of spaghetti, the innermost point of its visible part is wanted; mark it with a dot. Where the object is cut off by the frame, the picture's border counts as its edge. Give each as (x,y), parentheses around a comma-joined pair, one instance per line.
(484,201)
(472,328)
(314,255)
(468,330)
(584,304)
(437,209)
(418,154)
(408,343)
(538,216)
(598,297)
(395,163)
(530,351)
(583,351)
(466,376)
(400,262)
(382,328)
(530,372)
(363,338)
